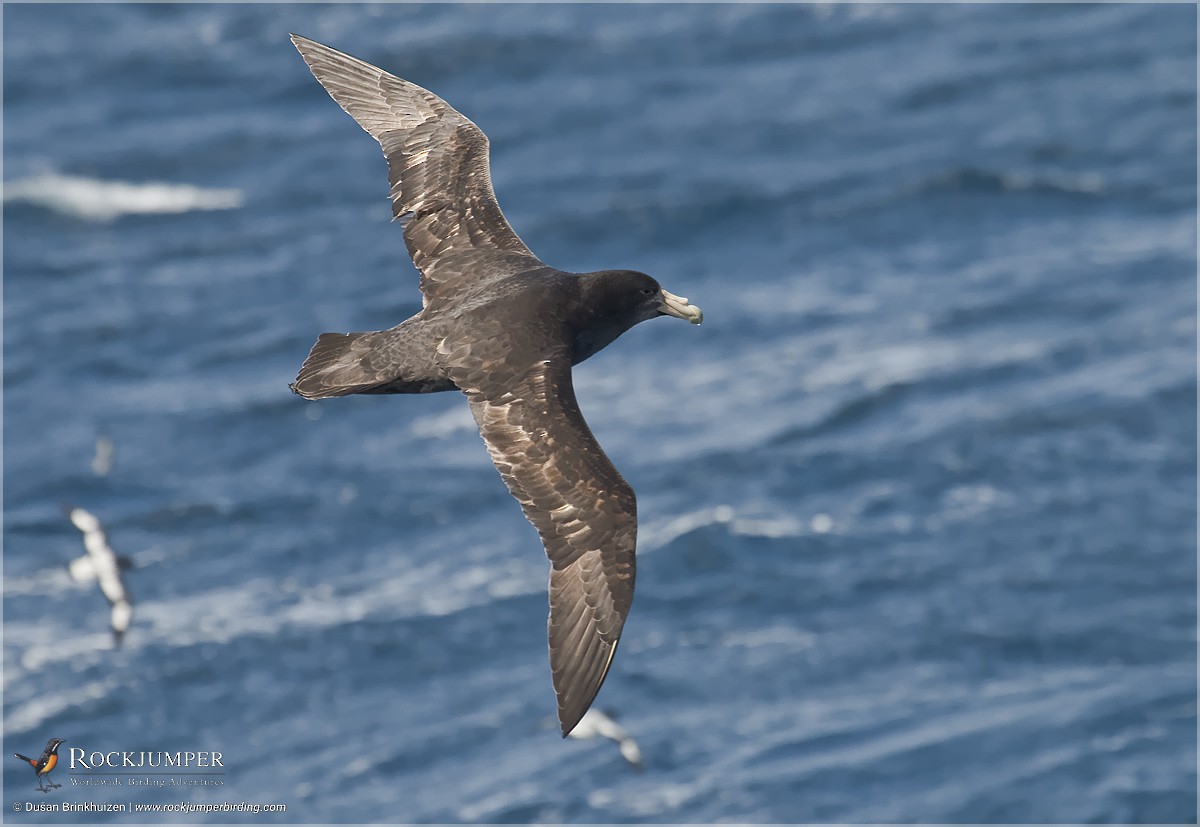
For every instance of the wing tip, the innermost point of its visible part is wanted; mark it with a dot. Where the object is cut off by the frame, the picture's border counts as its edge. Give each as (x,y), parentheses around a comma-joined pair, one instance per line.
(301,43)
(311,50)
(569,718)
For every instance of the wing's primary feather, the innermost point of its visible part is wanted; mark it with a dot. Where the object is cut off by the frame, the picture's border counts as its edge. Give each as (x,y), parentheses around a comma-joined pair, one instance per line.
(439,171)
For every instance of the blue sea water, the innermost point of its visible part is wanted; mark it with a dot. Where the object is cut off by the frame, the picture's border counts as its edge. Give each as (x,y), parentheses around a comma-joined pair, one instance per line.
(917,501)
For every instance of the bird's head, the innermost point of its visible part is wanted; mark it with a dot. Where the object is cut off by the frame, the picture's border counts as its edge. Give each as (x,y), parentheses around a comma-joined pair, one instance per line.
(637,296)
(616,300)
(53,745)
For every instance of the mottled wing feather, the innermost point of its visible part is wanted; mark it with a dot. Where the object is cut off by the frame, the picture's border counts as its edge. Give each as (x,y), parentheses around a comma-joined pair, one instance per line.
(583,509)
(438,169)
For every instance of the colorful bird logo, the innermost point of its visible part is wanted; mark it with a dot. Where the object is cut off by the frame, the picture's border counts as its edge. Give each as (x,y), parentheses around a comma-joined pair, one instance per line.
(45,765)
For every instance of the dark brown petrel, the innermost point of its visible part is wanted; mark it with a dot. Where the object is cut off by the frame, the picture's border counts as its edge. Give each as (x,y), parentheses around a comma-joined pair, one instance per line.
(505,329)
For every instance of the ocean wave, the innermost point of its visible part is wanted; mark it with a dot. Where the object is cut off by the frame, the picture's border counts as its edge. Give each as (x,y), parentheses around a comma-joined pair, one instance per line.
(444,425)
(978,180)
(94,199)
(266,607)
(45,707)
(658,534)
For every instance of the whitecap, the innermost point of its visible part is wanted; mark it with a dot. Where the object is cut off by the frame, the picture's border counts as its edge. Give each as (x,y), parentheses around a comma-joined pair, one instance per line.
(660,533)
(48,706)
(98,200)
(445,424)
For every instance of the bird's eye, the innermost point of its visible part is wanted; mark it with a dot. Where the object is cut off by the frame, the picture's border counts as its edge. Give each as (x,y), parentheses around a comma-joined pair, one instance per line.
(647,291)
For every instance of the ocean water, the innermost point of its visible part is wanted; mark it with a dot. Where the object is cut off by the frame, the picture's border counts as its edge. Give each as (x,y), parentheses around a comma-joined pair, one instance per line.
(918,500)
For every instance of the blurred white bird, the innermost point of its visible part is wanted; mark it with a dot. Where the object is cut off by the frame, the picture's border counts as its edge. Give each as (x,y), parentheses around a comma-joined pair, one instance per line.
(104,566)
(103,458)
(597,724)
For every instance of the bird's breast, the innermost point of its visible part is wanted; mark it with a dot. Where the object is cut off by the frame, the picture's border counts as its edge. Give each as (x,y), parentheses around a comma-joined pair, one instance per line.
(594,338)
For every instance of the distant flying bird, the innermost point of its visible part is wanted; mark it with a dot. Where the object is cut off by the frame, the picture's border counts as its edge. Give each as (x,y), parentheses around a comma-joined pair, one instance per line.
(45,765)
(102,460)
(104,566)
(598,724)
(505,329)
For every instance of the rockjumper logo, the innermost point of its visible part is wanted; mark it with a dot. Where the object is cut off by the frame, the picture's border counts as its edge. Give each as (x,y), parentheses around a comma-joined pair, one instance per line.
(125,760)
(45,765)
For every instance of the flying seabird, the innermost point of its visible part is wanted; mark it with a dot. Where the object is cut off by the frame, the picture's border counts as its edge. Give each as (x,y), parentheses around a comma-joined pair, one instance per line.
(102,460)
(505,329)
(104,566)
(598,724)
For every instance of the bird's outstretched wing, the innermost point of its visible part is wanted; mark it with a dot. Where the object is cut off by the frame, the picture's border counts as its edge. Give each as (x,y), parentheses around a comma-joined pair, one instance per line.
(82,569)
(438,169)
(583,509)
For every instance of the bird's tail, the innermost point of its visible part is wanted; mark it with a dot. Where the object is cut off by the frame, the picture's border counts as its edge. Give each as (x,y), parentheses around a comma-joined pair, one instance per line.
(26,759)
(334,367)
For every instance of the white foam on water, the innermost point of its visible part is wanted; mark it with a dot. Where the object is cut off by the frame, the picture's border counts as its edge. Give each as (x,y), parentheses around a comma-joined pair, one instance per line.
(94,199)
(963,503)
(46,706)
(254,608)
(446,424)
(821,524)
(41,583)
(659,533)
(777,635)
